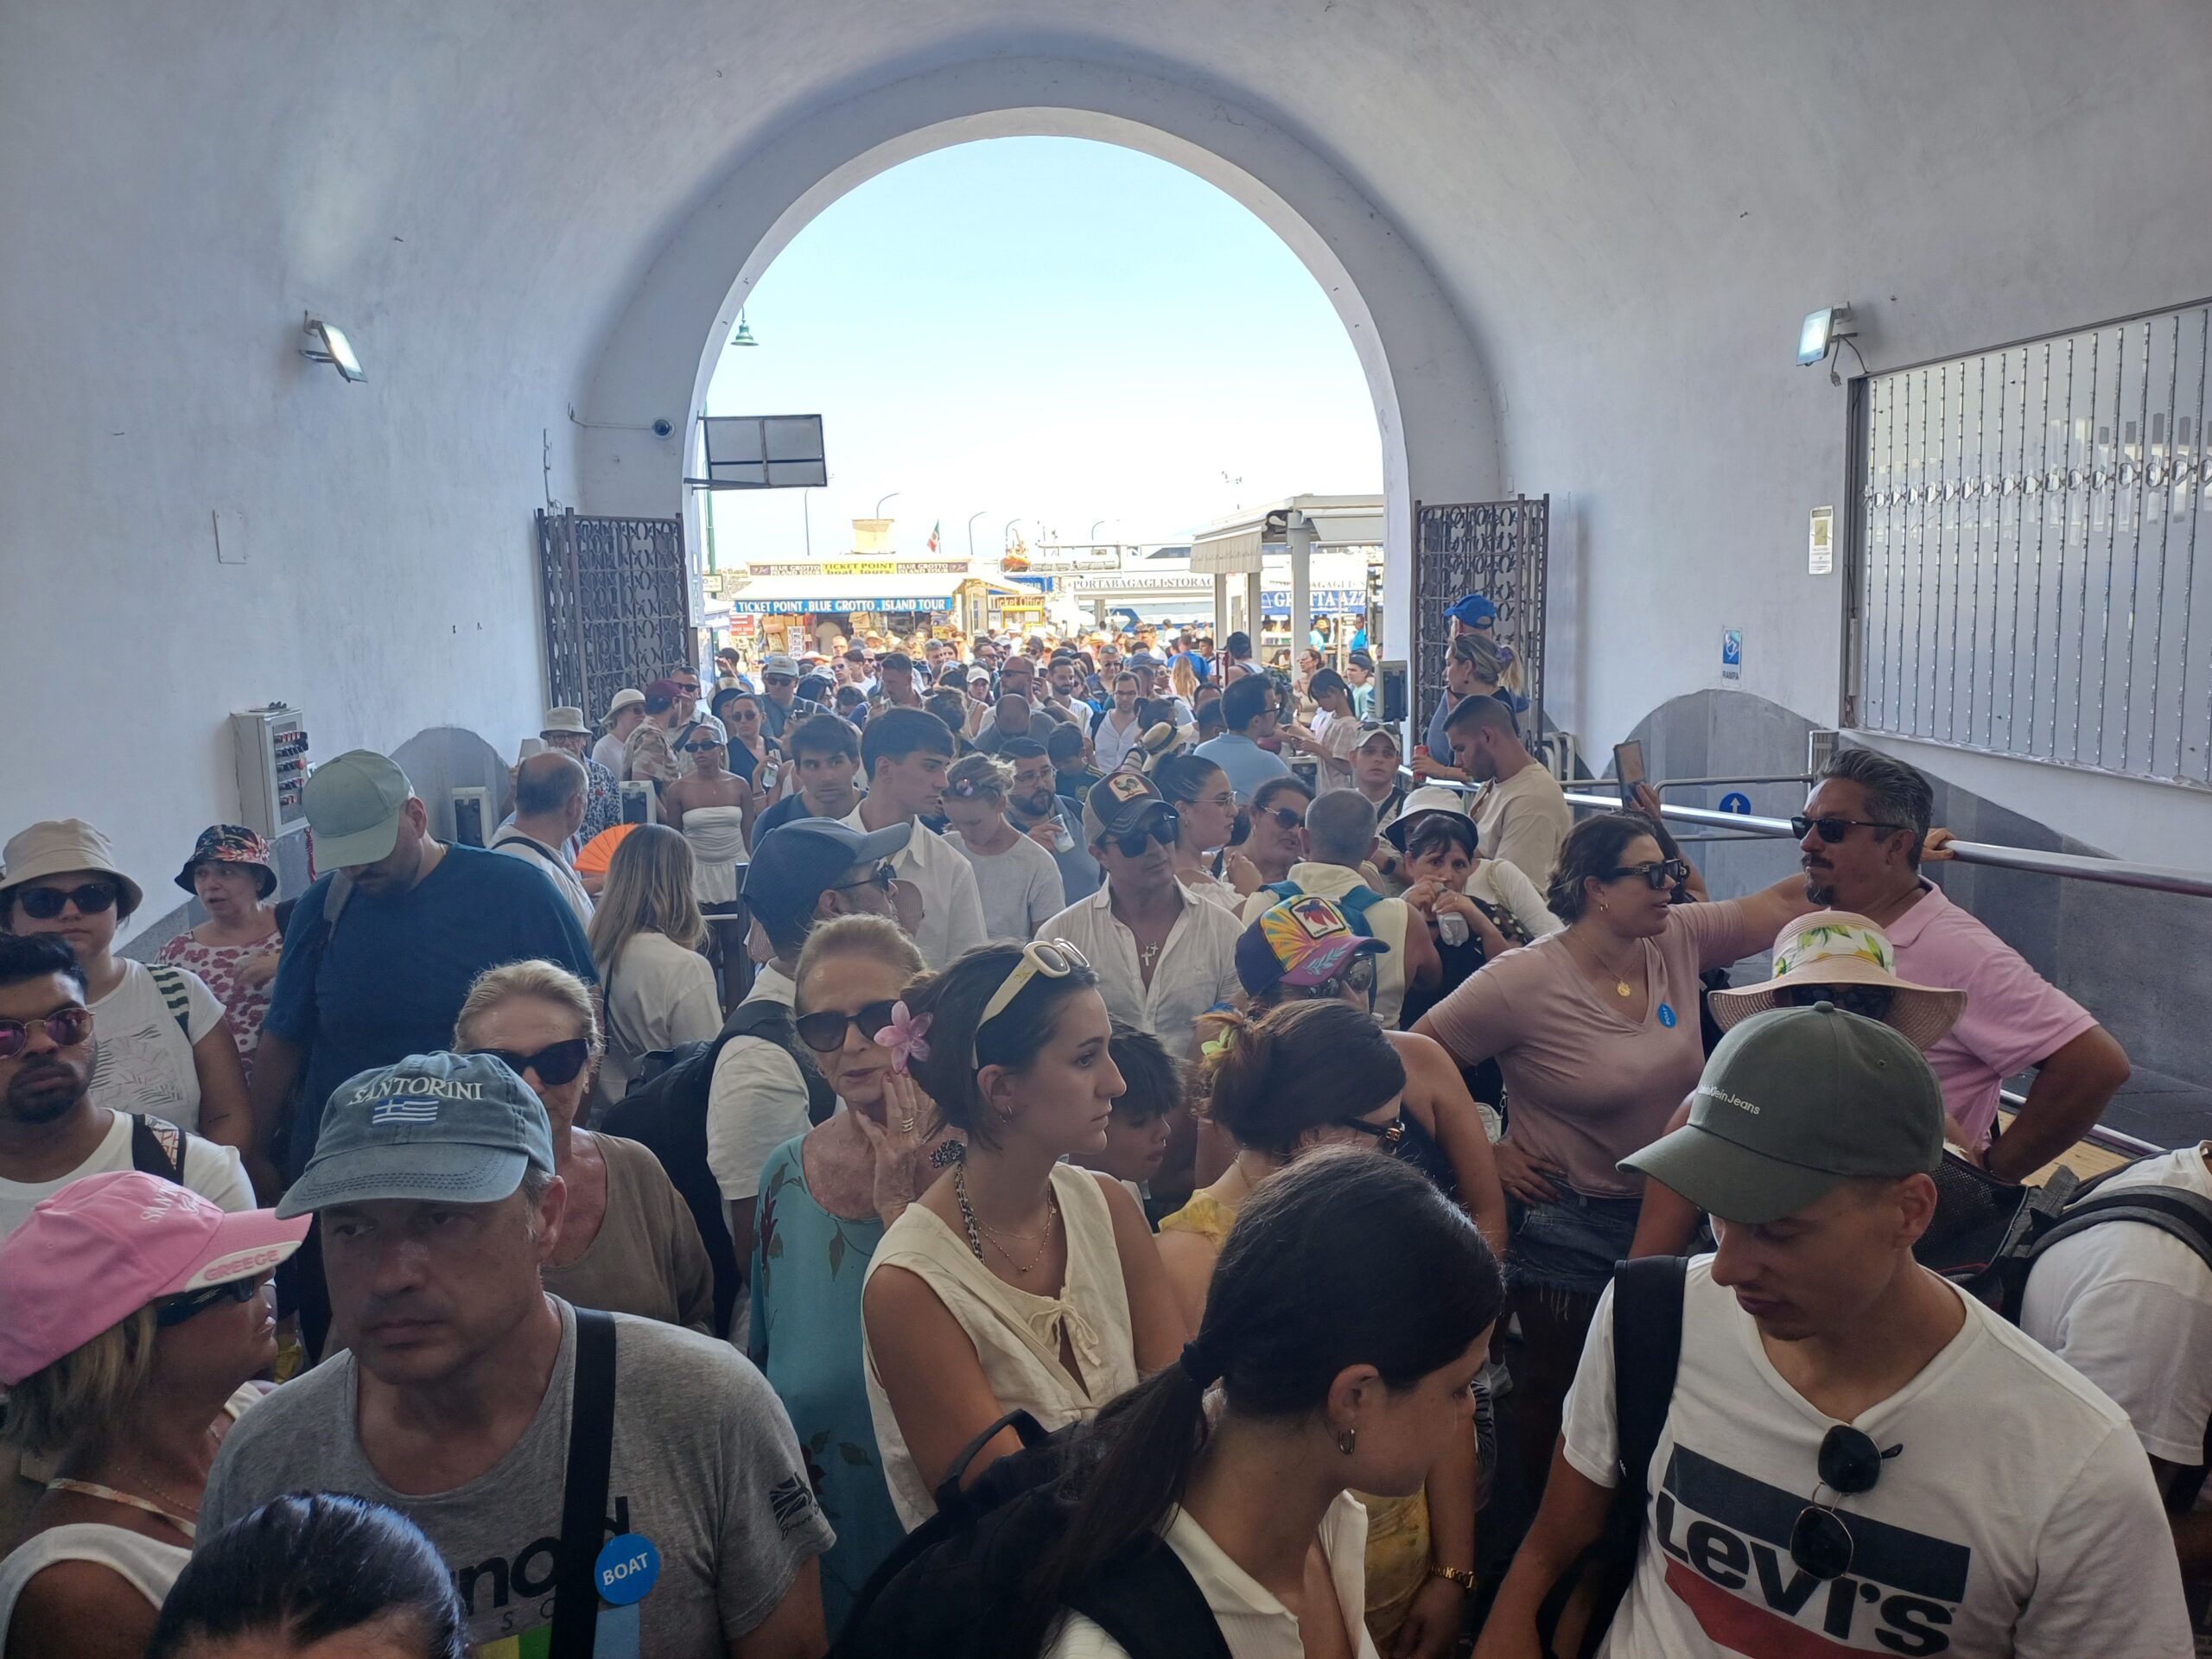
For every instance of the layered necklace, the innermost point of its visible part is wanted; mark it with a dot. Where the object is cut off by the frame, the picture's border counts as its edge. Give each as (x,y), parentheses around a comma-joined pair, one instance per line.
(977,1232)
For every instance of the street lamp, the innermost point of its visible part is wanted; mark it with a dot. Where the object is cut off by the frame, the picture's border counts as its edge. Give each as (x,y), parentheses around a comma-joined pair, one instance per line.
(882,499)
(972,517)
(1006,536)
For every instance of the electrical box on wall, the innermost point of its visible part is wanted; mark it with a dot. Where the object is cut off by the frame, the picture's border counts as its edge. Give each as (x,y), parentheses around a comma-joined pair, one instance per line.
(471,817)
(272,753)
(1395,680)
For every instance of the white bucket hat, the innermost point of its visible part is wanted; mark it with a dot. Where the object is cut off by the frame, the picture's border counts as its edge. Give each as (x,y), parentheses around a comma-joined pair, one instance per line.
(1840,947)
(567,720)
(57,847)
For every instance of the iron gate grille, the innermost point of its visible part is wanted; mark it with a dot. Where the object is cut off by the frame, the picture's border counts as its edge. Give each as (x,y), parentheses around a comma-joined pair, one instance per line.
(1494,548)
(2025,548)
(618,605)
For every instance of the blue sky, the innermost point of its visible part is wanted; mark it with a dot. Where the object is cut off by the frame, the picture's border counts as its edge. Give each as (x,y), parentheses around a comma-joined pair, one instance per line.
(1048,329)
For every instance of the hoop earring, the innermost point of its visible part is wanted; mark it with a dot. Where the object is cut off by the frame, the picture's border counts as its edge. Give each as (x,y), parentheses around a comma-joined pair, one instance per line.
(1347,1440)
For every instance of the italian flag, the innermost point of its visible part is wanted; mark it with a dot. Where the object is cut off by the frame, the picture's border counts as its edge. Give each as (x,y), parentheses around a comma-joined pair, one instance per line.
(934,530)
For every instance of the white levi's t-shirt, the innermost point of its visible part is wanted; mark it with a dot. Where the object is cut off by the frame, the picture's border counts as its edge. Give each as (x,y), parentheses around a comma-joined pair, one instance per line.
(2020,1517)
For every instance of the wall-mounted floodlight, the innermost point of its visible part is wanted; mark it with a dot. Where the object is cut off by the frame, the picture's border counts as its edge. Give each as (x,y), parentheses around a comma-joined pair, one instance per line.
(1821,330)
(331,346)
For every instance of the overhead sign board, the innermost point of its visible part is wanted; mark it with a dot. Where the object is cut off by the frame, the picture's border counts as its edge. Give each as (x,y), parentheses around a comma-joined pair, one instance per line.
(763,452)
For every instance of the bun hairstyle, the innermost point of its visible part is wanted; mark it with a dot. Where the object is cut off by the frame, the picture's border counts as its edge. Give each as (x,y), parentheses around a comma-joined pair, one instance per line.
(1268,1080)
(979,778)
(1295,1301)
(1592,849)
(1184,778)
(954,999)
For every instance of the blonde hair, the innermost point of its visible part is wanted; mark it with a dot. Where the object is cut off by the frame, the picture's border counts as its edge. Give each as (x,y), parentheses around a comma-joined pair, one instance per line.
(979,777)
(860,935)
(1184,678)
(90,1389)
(648,891)
(546,982)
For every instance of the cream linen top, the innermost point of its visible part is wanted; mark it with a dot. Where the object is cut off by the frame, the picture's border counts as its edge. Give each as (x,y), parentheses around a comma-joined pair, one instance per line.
(1017,1335)
(1254,1623)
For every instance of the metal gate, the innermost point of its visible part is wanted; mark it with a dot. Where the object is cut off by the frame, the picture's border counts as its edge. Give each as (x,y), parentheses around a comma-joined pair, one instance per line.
(2025,546)
(618,605)
(1494,548)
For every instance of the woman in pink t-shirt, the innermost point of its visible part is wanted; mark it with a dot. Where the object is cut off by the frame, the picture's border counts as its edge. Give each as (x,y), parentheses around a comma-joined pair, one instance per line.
(1595,1032)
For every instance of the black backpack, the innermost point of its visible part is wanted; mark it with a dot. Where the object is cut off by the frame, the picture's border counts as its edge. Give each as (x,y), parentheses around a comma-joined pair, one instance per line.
(1988,1234)
(950,1589)
(666,1111)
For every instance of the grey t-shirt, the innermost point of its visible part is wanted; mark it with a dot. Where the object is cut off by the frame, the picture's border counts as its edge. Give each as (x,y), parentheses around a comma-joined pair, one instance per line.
(705,1466)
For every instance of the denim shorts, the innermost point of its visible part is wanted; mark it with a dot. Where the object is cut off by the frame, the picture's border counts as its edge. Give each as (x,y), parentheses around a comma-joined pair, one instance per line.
(1568,1244)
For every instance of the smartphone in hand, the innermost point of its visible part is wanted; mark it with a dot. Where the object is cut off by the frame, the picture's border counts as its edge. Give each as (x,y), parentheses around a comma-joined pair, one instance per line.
(1628,770)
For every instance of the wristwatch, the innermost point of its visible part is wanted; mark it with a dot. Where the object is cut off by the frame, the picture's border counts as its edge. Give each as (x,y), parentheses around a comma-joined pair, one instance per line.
(1464,1577)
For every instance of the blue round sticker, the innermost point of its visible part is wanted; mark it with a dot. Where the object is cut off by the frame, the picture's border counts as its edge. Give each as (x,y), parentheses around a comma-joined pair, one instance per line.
(1667,1014)
(626,1568)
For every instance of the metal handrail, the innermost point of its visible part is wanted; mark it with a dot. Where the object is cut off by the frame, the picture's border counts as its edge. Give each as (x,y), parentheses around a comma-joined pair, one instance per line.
(2111,871)
(2111,1140)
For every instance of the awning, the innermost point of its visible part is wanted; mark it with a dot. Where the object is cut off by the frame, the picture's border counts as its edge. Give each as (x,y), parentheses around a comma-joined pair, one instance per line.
(798,594)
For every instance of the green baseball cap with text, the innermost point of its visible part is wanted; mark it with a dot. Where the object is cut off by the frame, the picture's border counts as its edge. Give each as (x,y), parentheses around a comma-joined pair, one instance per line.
(1793,1101)
(352,803)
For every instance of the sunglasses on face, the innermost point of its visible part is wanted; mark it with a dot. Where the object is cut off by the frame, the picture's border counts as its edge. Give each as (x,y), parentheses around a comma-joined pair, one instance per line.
(1384,1135)
(1665,873)
(44,904)
(1286,820)
(823,1031)
(1850,1463)
(65,1028)
(556,1063)
(702,746)
(175,1310)
(885,876)
(1163,827)
(1833,831)
(1227,798)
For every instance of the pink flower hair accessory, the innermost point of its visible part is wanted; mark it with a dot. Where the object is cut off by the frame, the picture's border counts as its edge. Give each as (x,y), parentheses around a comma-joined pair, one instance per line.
(905,1037)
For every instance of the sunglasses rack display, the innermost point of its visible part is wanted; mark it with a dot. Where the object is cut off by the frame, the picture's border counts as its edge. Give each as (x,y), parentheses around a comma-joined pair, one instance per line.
(272,756)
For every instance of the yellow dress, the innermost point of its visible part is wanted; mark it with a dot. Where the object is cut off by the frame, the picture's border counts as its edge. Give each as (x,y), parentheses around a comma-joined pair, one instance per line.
(1397,1528)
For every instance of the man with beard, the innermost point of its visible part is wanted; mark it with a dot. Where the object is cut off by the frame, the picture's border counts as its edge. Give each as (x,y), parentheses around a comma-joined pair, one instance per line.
(1034,807)
(50,1131)
(1861,839)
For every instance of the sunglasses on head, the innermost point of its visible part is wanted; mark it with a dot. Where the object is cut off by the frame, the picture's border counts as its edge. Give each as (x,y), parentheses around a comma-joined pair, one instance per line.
(175,1310)
(1666,873)
(1162,826)
(556,1063)
(1850,1463)
(44,904)
(1833,831)
(823,1031)
(1054,958)
(65,1028)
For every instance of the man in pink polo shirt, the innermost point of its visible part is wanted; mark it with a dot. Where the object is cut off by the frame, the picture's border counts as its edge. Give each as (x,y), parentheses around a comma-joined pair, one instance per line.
(1860,835)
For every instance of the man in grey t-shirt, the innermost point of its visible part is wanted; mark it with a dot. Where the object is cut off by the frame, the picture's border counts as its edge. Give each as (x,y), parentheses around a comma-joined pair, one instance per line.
(434,1180)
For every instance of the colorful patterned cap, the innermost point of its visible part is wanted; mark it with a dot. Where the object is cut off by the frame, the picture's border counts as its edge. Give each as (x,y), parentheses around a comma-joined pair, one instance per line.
(1302,941)
(1840,947)
(230,843)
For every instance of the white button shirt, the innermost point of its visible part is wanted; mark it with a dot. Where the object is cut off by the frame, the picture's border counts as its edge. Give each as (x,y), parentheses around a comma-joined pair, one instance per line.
(952,908)
(1196,970)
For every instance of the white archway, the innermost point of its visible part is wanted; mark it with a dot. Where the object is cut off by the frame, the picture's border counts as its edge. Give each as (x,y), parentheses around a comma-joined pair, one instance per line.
(1432,395)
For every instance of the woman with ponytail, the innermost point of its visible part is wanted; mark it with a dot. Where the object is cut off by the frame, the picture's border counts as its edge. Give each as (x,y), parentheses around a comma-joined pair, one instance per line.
(1332,1375)
(1307,1076)
(1016,1281)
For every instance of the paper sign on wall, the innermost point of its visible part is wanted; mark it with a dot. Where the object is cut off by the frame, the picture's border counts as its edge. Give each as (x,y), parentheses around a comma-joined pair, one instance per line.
(1819,559)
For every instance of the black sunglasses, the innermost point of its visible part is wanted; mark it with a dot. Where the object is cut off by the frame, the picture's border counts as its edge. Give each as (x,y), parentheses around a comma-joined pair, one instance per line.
(44,904)
(175,1310)
(1286,819)
(1850,1463)
(824,1032)
(1833,831)
(1163,827)
(1665,873)
(884,876)
(1385,1134)
(65,1027)
(556,1063)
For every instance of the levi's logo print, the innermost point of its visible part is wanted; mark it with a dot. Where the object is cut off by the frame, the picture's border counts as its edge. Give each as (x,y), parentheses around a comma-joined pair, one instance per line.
(1726,1542)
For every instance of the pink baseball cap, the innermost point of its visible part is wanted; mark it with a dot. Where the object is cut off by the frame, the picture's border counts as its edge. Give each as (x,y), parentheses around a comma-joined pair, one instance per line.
(103,1248)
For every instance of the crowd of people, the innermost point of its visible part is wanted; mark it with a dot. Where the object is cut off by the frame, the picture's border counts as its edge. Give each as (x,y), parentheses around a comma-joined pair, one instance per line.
(1082,1149)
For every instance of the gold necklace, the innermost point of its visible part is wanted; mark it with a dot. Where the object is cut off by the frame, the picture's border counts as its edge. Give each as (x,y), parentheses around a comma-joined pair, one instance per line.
(1621,987)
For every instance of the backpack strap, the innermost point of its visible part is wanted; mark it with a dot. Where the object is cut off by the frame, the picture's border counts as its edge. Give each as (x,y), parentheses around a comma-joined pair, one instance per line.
(1648,1295)
(770,1022)
(157,1147)
(951,1497)
(1146,1599)
(2178,1214)
(1356,904)
(170,983)
(1283,890)
(583,1501)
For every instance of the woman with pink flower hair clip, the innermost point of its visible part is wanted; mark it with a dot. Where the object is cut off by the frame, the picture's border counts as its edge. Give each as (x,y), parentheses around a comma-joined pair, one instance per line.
(826,1198)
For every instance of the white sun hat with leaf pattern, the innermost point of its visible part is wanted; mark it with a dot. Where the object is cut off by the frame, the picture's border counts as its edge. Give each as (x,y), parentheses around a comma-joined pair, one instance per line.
(1840,947)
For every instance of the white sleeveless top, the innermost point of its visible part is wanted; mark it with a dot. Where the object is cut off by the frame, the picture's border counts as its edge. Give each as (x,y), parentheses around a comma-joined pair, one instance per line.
(1017,1335)
(717,838)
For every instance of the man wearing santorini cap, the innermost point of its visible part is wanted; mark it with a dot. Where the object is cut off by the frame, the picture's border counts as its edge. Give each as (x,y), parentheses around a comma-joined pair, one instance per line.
(469,1399)
(382,949)
(1855,1456)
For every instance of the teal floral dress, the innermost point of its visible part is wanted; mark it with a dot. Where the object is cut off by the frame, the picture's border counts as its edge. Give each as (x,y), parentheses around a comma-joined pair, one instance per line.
(808,1267)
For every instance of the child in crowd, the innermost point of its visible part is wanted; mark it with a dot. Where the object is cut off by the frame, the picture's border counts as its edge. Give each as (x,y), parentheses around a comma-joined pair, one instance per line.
(1138,1132)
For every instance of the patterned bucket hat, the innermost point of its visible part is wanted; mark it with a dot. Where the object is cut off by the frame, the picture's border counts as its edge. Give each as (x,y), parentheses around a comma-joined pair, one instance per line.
(230,843)
(1840,947)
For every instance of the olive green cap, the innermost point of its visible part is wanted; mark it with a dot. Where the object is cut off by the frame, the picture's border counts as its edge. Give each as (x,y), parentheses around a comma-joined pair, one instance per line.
(1793,1101)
